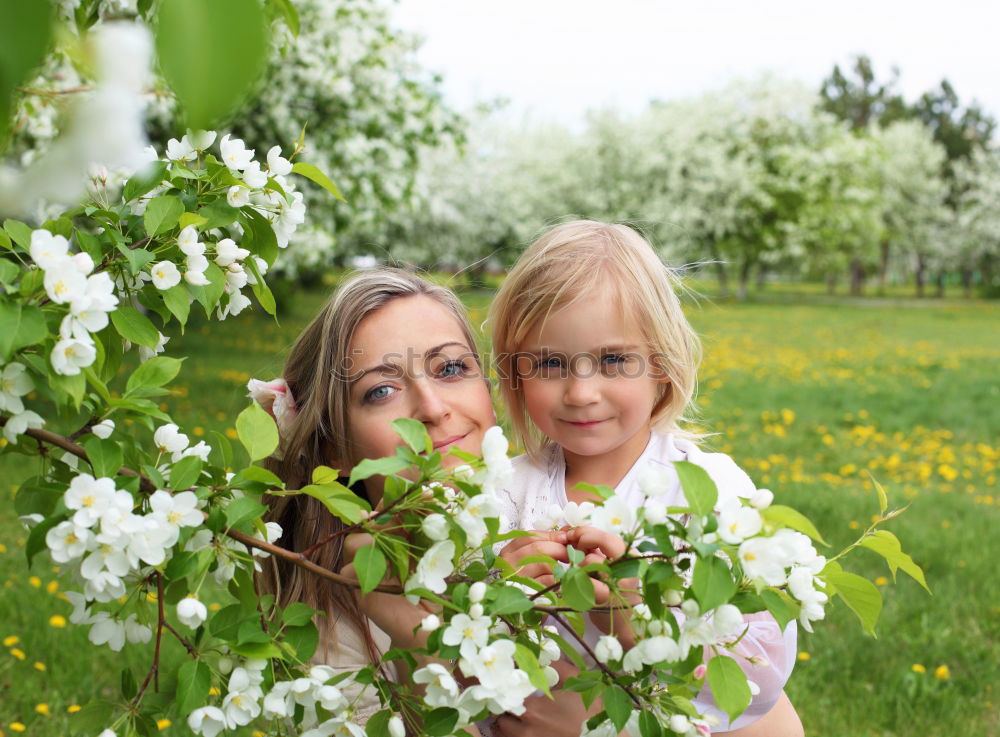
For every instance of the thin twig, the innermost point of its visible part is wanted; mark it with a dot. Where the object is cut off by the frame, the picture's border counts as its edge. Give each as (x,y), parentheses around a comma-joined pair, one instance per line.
(155,667)
(192,650)
(583,644)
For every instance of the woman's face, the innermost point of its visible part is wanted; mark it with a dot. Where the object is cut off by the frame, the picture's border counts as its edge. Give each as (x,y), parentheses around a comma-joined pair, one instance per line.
(410,358)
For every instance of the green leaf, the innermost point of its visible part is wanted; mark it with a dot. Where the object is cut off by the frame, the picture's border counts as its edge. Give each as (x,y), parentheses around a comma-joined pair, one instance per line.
(190,44)
(339,500)
(440,721)
(36,538)
(578,590)
(618,706)
(887,545)
(92,718)
(649,725)
(242,510)
(325,475)
(192,218)
(370,566)
(25,34)
(297,614)
(9,271)
(782,608)
(788,517)
(209,294)
(138,258)
(129,686)
(258,475)
(712,583)
(182,564)
(414,434)
(153,374)
(162,214)
(528,662)
(311,172)
(144,180)
(194,679)
(860,595)
(134,326)
(257,432)
(883,499)
(302,639)
(18,231)
(20,326)
(510,600)
(262,241)
(184,474)
(178,301)
(378,724)
(105,456)
(219,214)
(262,650)
(71,388)
(260,289)
(377,467)
(5,241)
(699,489)
(729,685)
(291,15)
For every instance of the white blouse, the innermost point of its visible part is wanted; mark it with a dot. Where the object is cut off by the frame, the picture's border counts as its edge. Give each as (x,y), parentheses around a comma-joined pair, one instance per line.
(541,482)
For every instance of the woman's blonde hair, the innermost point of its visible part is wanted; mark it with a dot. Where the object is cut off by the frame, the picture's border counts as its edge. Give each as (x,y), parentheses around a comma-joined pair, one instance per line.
(317,370)
(575,260)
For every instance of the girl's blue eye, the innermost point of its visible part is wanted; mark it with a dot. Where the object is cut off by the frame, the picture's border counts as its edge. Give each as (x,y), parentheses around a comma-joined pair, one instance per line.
(452,368)
(550,362)
(614,359)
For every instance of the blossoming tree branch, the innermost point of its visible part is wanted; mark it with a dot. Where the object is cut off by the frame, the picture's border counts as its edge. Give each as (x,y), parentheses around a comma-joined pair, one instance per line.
(151,526)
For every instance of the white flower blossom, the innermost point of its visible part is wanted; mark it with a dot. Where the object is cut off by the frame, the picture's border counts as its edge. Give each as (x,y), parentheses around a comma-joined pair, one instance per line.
(187,241)
(103,429)
(168,440)
(276,164)
(48,250)
(655,480)
(430,623)
(435,526)
(64,282)
(762,499)
(578,515)
(441,688)
(499,468)
(207,721)
(165,275)
(15,382)
(737,522)
(191,612)
(608,649)
(67,541)
(396,726)
(180,150)
(467,631)
(146,353)
(200,140)
(616,516)
(253,177)
(227,252)
(433,567)
(90,497)
(238,196)
(72,354)
(235,154)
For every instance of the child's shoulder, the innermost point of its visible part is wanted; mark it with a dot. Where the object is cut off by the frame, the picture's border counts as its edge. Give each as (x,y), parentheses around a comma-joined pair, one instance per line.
(730,479)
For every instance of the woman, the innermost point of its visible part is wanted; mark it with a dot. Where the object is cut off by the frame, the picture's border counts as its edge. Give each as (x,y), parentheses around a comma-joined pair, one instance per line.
(387,345)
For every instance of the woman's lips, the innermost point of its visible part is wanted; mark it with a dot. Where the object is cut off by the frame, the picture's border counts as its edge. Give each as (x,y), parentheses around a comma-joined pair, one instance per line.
(444,443)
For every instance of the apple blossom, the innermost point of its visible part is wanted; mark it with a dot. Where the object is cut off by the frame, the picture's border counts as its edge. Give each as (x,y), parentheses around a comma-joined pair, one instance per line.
(200,140)
(227,252)
(608,649)
(64,282)
(276,164)
(47,250)
(15,382)
(430,623)
(146,353)
(207,721)
(238,196)
(396,727)
(169,440)
(253,177)
(180,150)
(615,516)
(435,526)
(187,241)
(165,275)
(762,499)
(235,154)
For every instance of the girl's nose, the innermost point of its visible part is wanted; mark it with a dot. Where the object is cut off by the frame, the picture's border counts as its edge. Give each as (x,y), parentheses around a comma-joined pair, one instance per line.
(581,386)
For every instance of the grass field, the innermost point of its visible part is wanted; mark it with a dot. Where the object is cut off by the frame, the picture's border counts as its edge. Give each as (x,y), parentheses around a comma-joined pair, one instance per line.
(809,397)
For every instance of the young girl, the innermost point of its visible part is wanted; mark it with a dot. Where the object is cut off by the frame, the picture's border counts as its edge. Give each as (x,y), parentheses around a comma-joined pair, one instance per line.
(597,364)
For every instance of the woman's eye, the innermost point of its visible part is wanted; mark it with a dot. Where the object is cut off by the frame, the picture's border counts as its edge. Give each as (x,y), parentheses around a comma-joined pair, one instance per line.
(378,393)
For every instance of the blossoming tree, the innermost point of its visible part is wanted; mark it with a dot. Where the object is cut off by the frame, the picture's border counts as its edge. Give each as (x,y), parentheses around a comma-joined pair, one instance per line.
(150,526)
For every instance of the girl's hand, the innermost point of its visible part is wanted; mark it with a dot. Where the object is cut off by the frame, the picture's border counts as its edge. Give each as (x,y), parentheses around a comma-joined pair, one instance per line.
(599,546)
(541,542)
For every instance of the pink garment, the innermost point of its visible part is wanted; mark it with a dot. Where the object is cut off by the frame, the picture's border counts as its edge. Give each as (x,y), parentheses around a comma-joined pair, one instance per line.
(537,484)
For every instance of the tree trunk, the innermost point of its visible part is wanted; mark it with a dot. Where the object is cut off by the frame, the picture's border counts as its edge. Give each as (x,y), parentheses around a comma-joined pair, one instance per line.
(831,283)
(883,266)
(744,278)
(986,271)
(857,277)
(920,273)
(720,270)
(939,281)
(761,276)
(967,281)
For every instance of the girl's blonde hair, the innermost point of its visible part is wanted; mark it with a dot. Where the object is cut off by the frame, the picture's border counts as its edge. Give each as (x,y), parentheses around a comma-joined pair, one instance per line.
(317,370)
(575,260)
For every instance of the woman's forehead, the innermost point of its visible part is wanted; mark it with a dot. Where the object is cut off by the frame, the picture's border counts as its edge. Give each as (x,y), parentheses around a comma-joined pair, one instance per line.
(406,326)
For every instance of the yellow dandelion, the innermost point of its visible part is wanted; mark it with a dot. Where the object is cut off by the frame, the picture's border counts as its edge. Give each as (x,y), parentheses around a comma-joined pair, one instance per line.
(942,673)
(162,723)
(11,640)
(231,433)
(918,668)
(18,653)
(42,709)
(804,655)
(214,606)
(945,524)
(854,524)
(35,581)
(39,666)
(57,620)
(198,431)
(881,581)
(214,691)
(52,587)
(258,733)
(73,708)
(17,726)
(3,548)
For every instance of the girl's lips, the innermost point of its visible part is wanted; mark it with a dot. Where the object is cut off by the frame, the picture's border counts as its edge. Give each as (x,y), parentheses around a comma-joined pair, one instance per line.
(583,423)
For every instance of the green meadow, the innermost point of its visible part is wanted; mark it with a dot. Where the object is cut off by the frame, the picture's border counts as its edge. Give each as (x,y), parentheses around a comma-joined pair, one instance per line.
(813,397)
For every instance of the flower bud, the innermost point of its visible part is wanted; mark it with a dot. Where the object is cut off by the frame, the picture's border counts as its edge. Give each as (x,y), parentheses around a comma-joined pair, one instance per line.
(465,472)
(679,724)
(396,728)
(608,649)
(700,670)
(672,597)
(103,429)
(762,499)
(476,611)
(191,612)
(435,526)
(430,623)
(477,591)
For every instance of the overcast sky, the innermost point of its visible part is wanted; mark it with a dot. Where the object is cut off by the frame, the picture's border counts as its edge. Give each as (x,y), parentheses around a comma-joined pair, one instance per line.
(554,59)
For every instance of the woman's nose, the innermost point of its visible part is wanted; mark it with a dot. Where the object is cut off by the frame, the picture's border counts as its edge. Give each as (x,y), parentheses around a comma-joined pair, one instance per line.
(431,407)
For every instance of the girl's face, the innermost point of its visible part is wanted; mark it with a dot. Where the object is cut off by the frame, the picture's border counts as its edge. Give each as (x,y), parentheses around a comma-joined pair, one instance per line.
(590,384)
(410,358)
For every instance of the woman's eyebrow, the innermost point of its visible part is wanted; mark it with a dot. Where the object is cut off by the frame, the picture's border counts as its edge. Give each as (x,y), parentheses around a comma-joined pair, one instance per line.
(396,369)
